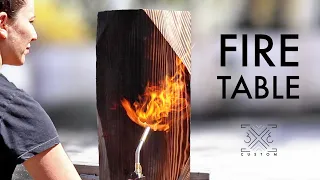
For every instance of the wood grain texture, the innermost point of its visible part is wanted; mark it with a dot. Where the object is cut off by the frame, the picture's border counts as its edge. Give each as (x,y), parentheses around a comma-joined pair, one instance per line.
(185,172)
(175,26)
(103,155)
(131,51)
(199,176)
(86,169)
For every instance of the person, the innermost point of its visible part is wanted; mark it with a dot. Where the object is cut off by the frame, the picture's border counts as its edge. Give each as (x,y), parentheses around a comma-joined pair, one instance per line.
(27,134)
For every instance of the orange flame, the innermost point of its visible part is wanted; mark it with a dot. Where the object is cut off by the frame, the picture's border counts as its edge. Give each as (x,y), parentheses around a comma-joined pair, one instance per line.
(157,102)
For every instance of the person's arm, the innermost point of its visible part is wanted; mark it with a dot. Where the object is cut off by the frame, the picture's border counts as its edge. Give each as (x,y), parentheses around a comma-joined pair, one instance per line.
(52,164)
(30,135)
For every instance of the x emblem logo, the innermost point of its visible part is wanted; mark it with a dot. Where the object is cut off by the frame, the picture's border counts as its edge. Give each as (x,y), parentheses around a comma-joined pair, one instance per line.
(258,137)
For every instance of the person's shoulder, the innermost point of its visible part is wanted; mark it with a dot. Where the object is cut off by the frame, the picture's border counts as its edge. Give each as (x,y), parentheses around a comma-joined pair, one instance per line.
(7,88)
(15,100)
(21,115)
(7,91)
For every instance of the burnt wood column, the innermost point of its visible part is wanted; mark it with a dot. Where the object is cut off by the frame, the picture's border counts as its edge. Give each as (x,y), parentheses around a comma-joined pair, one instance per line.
(135,47)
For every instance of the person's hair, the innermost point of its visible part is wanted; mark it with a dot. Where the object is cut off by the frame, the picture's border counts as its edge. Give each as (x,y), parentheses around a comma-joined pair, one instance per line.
(11,7)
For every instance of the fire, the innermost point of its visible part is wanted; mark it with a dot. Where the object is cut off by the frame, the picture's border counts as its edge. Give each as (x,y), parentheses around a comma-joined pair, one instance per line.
(157,103)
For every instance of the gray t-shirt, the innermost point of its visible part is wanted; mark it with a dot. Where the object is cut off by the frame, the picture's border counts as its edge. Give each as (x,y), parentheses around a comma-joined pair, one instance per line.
(25,128)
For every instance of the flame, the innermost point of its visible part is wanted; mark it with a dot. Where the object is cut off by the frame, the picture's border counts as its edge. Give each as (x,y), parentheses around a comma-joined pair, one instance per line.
(155,105)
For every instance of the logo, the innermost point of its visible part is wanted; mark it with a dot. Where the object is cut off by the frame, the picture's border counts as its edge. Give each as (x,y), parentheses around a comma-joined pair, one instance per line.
(259,140)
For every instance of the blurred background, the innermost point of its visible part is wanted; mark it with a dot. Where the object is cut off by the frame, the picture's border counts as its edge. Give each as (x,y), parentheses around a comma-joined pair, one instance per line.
(60,74)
